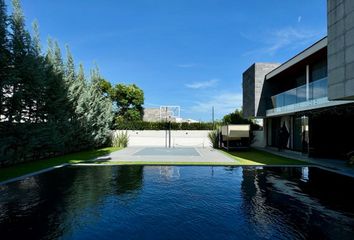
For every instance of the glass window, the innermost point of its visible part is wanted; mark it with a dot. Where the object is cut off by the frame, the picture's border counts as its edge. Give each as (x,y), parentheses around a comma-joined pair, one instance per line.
(318,70)
(318,89)
(301,94)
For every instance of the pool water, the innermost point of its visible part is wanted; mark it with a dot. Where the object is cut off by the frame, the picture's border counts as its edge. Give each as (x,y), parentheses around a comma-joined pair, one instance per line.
(170,202)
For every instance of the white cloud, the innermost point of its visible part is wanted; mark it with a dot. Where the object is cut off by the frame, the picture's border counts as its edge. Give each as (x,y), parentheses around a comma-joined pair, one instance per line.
(223,103)
(205,84)
(280,39)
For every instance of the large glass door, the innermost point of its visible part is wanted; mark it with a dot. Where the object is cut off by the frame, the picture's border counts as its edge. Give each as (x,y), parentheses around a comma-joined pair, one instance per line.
(301,134)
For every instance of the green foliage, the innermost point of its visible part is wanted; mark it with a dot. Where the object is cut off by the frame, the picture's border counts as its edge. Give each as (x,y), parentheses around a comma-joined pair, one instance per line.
(129,99)
(46,108)
(141,125)
(37,165)
(106,87)
(4,57)
(120,139)
(214,138)
(237,118)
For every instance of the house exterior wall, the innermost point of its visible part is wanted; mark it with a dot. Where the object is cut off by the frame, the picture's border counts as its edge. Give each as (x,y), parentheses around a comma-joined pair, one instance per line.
(255,89)
(248,86)
(340,49)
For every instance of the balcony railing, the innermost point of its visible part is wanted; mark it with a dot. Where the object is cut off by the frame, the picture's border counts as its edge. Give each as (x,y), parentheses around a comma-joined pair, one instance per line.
(314,90)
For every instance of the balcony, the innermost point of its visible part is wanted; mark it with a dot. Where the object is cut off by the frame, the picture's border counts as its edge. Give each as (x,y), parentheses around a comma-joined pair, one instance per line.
(293,100)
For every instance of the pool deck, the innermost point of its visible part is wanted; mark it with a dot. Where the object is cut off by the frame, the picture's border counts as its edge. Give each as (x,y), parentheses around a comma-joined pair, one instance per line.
(167,155)
(334,165)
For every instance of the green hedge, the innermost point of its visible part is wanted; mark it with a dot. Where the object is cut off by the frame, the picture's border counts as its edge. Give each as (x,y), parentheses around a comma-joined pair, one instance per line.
(161,126)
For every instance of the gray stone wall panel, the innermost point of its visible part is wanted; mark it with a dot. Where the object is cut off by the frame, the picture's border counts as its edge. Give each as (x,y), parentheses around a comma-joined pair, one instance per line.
(340,42)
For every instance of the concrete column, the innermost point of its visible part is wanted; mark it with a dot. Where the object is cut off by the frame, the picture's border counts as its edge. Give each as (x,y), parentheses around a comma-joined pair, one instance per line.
(307,82)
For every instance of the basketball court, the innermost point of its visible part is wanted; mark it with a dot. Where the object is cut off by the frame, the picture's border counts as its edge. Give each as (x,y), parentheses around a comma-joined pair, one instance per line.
(160,154)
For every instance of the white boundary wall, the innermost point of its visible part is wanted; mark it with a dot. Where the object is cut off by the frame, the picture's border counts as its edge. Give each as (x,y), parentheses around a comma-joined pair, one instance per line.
(179,138)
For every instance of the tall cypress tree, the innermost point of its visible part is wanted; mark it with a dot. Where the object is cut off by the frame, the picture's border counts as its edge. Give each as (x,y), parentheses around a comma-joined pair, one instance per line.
(74,91)
(80,94)
(20,102)
(47,108)
(5,89)
(57,107)
(4,60)
(18,52)
(70,74)
(101,114)
(39,75)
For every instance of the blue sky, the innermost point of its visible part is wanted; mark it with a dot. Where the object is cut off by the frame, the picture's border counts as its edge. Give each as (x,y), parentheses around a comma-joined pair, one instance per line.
(190,53)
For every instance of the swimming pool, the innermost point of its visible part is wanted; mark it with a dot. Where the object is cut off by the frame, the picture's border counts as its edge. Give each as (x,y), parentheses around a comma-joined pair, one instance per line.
(171,202)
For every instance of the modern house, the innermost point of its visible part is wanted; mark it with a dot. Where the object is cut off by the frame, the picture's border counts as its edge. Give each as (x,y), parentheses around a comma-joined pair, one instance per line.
(310,96)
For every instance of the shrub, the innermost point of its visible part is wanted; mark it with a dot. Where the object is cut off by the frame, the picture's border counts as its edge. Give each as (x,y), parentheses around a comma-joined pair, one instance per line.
(120,139)
(214,138)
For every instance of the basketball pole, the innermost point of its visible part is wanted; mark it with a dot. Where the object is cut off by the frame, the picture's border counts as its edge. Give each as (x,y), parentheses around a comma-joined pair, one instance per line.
(166,128)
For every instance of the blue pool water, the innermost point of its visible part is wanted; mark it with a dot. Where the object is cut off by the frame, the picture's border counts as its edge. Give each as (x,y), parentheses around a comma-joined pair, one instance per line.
(135,202)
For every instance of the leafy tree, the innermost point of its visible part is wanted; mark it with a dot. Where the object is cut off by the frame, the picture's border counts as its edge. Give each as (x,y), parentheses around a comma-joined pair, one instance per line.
(129,100)
(106,88)
(235,118)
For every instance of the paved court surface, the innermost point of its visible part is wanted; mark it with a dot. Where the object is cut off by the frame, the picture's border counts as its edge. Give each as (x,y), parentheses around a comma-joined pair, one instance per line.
(159,154)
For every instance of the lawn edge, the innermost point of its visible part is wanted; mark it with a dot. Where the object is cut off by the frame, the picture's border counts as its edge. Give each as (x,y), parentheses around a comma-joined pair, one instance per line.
(47,169)
(33,174)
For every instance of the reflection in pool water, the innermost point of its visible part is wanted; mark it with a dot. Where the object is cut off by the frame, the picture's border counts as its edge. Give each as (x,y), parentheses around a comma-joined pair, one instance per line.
(135,202)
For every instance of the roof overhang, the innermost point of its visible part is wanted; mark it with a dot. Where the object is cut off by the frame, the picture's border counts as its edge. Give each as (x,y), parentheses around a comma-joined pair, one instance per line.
(298,58)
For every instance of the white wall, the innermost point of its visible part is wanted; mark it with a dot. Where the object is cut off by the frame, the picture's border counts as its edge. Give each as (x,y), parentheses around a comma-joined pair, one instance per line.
(179,138)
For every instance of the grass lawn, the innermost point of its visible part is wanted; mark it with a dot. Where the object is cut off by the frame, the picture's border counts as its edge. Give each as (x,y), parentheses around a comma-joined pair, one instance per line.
(29,167)
(258,157)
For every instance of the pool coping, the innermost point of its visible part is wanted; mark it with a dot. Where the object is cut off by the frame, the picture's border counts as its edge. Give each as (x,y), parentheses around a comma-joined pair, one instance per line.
(33,173)
(226,164)
(186,164)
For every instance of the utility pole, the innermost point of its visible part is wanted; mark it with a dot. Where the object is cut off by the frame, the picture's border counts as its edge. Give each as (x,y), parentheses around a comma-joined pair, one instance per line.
(212,116)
